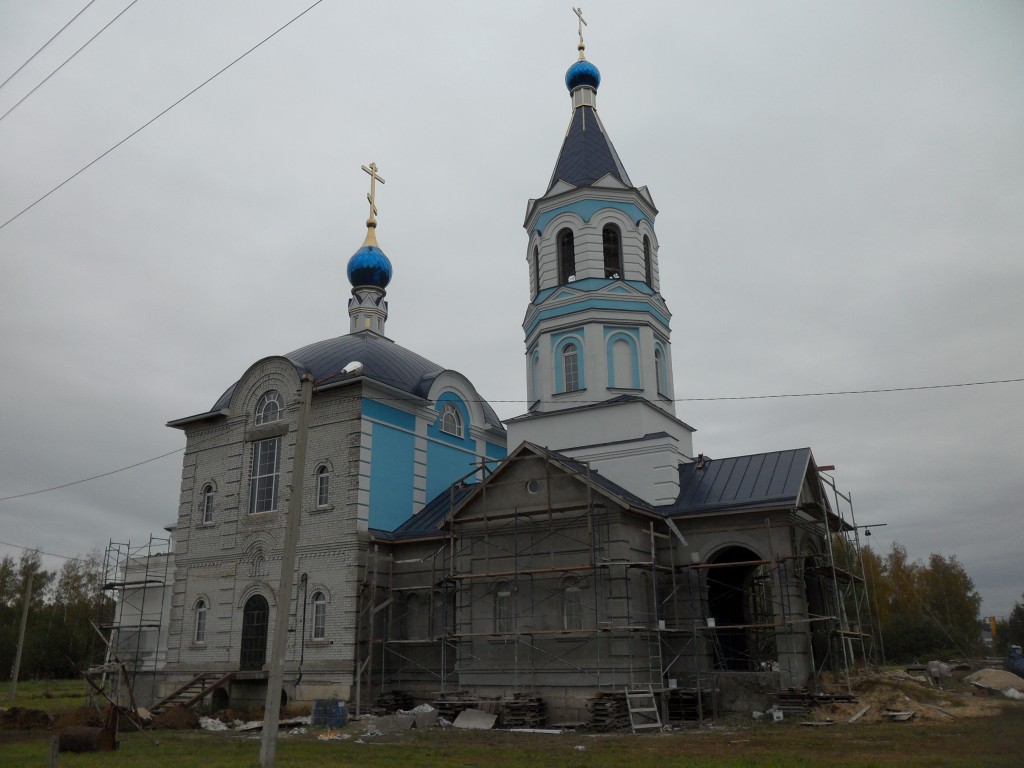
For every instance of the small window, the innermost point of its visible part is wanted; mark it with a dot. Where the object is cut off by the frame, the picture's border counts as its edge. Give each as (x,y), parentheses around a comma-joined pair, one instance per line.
(319,616)
(572,608)
(208,503)
(201,622)
(271,408)
(648,269)
(566,256)
(570,368)
(660,374)
(612,240)
(451,420)
(323,487)
(503,609)
(266,463)
(536,271)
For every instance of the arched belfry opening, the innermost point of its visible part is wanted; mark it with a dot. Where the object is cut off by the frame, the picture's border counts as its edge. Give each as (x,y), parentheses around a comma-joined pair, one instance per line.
(739,593)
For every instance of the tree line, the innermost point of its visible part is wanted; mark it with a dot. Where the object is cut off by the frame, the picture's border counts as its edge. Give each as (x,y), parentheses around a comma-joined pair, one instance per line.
(59,637)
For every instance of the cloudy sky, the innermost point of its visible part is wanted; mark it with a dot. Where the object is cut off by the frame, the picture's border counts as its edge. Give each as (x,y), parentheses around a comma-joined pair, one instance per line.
(841,188)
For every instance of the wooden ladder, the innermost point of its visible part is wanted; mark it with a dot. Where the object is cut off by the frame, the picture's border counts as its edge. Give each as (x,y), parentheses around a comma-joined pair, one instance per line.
(643,709)
(192,691)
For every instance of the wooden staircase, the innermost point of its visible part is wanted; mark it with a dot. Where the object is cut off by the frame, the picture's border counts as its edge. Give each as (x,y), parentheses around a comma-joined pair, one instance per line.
(643,709)
(193,691)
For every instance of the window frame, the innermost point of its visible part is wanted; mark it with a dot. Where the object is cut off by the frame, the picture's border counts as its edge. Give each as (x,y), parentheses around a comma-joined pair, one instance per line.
(260,480)
(503,623)
(648,266)
(572,608)
(611,248)
(270,408)
(319,601)
(207,503)
(450,413)
(570,354)
(566,242)
(199,630)
(323,486)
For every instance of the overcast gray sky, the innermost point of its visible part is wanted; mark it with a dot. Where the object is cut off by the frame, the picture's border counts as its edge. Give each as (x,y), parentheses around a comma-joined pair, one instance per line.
(841,188)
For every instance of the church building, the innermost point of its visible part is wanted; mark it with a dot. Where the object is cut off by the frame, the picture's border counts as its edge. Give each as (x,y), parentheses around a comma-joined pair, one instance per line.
(580,548)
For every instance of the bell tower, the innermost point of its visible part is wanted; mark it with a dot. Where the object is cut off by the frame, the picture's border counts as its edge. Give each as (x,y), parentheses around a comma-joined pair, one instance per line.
(597,330)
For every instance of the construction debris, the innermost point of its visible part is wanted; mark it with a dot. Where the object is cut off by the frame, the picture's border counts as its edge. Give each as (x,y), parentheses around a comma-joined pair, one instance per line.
(475,719)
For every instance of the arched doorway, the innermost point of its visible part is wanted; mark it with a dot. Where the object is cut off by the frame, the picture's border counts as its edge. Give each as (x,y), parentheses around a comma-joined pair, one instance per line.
(255,617)
(739,589)
(817,609)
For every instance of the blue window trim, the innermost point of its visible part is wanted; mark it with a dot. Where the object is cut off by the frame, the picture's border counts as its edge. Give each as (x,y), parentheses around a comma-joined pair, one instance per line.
(558,346)
(434,430)
(611,335)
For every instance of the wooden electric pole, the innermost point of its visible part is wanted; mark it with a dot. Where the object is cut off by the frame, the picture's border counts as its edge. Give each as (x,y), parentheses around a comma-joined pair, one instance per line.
(21,634)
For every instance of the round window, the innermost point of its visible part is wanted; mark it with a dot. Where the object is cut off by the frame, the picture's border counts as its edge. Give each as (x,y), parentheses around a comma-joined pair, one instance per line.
(533,486)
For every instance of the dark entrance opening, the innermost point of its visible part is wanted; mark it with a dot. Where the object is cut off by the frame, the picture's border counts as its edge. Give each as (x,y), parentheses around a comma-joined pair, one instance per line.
(255,617)
(740,601)
(818,608)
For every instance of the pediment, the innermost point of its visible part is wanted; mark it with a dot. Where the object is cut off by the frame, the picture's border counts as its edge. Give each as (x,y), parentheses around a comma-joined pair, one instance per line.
(609,182)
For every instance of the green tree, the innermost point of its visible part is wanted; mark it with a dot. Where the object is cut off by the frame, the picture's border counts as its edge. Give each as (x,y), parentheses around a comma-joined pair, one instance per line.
(1010,631)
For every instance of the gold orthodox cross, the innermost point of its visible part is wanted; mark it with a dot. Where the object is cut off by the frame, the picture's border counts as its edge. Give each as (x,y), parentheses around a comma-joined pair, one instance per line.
(372,195)
(582,24)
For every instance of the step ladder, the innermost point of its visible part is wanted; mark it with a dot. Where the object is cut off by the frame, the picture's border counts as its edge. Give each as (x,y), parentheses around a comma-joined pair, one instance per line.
(192,691)
(643,709)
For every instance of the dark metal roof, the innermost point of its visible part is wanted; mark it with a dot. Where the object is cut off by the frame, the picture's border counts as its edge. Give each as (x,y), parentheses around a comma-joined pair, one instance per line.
(587,152)
(758,480)
(383,361)
(430,520)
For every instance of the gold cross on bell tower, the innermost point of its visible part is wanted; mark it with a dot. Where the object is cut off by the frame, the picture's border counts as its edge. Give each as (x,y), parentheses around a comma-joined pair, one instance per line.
(582,24)
(372,194)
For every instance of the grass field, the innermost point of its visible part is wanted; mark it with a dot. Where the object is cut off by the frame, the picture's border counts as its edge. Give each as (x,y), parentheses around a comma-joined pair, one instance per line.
(53,696)
(976,741)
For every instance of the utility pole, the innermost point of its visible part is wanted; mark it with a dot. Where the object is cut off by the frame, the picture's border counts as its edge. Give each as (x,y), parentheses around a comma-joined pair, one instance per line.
(272,708)
(21,634)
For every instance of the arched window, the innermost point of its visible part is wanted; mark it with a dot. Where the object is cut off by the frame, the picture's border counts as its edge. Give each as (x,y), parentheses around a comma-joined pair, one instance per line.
(323,486)
(660,372)
(612,241)
(566,256)
(263,475)
(451,420)
(570,368)
(271,408)
(534,377)
(648,270)
(536,271)
(502,608)
(319,616)
(208,503)
(200,635)
(572,607)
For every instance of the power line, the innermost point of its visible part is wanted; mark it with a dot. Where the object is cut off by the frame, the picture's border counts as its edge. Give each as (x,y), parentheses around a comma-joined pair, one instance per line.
(149,122)
(36,549)
(69,58)
(677,400)
(94,477)
(15,72)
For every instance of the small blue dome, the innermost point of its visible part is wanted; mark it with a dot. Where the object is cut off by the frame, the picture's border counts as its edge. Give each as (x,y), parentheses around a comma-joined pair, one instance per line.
(582,73)
(369,266)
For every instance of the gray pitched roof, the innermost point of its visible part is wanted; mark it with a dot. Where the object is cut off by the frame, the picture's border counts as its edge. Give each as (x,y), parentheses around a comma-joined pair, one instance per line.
(587,152)
(759,480)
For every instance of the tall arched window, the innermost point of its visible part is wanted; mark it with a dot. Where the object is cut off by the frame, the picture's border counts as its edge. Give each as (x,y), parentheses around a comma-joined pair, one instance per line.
(319,616)
(323,486)
(572,607)
(451,420)
(536,271)
(660,372)
(570,368)
(566,256)
(612,241)
(502,608)
(648,269)
(271,408)
(208,503)
(200,636)
(534,377)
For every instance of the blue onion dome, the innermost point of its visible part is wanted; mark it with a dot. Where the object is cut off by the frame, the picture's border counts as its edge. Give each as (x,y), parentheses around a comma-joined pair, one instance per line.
(370,267)
(582,73)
